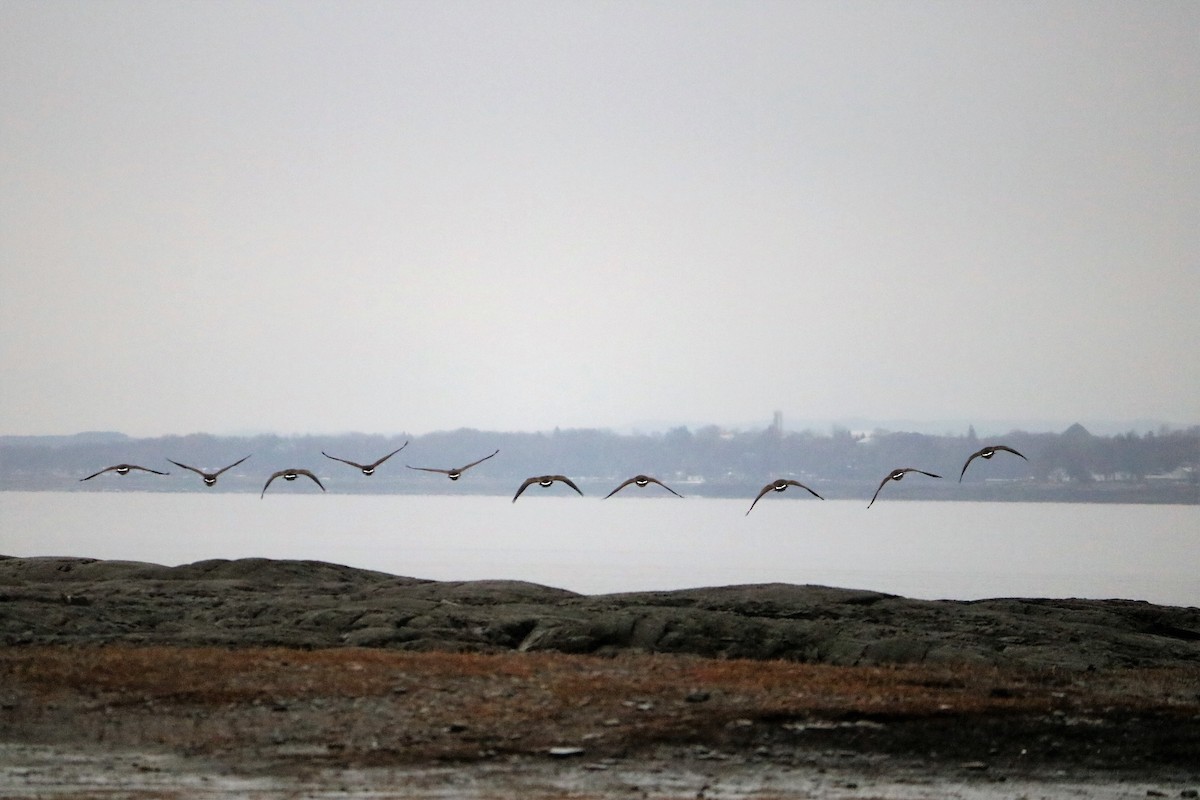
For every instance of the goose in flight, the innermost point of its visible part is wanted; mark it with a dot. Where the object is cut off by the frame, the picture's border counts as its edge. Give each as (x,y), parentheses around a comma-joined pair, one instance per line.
(985,454)
(289,475)
(779,486)
(210,478)
(367,469)
(456,473)
(122,469)
(641,481)
(545,480)
(896,475)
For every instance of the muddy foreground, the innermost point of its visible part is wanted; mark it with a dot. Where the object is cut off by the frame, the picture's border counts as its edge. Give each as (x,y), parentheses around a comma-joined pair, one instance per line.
(102,693)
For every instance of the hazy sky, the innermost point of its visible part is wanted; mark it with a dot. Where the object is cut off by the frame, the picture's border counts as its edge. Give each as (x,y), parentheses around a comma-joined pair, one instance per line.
(412,216)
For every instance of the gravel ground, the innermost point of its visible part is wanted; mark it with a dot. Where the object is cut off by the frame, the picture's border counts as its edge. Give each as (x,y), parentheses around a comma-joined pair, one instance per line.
(154,722)
(46,773)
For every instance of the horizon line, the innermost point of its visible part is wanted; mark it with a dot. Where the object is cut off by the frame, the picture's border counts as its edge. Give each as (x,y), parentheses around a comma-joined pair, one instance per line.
(867,425)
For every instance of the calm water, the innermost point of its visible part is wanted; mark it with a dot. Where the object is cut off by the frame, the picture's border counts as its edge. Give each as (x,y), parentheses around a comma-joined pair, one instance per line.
(917,549)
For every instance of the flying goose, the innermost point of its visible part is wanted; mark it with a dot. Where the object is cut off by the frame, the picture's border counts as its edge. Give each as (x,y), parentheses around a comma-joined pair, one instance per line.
(210,478)
(456,473)
(122,469)
(779,486)
(896,475)
(641,481)
(289,475)
(367,469)
(544,480)
(987,453)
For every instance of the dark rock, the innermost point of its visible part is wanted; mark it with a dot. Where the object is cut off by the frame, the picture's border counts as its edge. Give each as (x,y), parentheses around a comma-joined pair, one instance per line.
(310,604)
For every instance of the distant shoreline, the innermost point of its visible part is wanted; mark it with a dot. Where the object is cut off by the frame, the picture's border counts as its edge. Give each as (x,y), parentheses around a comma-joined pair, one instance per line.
(1112,492)
(1074,466)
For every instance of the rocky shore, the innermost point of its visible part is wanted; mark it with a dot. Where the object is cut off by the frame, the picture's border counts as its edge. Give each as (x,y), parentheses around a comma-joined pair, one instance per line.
(259,602)
(284,678)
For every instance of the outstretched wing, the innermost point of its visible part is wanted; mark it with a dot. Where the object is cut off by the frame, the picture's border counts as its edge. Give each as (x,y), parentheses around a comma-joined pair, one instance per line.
(344,461)
(1008,449)
(663,485)
(567,481)
(770,486)
(619,488)
(309,474)
(274,475)
(222,469)
(473,463)
(431,469)
(185,466)
(101,472)
(791,482)
(528,482)
(147,469)
(974,456)
(389,455)
(890,477)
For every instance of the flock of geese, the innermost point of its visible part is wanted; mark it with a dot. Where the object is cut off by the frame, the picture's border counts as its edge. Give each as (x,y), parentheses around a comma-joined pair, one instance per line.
(641,481)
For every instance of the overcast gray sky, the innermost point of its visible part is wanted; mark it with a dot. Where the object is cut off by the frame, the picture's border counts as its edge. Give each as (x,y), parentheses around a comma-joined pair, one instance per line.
(412,216)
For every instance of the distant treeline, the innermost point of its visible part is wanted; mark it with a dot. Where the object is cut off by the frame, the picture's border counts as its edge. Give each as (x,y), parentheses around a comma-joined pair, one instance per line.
(1161,466)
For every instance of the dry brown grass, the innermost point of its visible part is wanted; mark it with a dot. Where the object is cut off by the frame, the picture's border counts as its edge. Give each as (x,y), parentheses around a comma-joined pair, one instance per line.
(396,706)
(214,676)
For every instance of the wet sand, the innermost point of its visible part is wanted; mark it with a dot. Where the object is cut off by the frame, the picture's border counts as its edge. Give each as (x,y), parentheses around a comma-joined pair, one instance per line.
(28,771)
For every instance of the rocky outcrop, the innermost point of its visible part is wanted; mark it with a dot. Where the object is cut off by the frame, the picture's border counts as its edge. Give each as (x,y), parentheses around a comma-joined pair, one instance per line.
(307,604)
